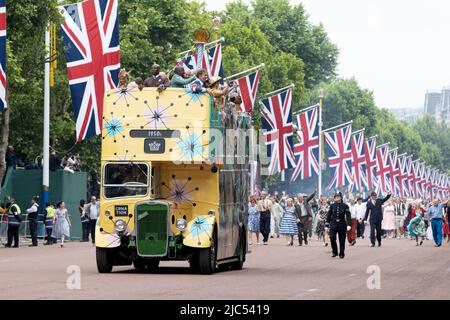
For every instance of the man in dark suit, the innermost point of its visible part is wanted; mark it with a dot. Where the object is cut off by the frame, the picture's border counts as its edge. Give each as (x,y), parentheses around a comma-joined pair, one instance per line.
(374,207)
(303,213)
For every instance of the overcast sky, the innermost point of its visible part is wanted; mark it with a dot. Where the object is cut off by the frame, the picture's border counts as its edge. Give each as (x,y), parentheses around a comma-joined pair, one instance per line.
(396,48)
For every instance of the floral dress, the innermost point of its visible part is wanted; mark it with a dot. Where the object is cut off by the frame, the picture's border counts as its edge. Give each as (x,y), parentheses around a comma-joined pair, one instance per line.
(322,217)
(253,218)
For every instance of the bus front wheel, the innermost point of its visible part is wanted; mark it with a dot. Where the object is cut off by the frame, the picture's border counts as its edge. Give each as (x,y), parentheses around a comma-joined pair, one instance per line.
(207,258)
(105,260)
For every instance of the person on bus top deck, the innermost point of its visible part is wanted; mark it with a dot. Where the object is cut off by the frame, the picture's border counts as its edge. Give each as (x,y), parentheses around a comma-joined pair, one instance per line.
(180,78)
(199,84)
(158,79)
(218,92)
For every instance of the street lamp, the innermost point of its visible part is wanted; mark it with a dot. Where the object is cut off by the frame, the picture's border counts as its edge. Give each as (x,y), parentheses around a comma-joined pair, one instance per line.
(321,163)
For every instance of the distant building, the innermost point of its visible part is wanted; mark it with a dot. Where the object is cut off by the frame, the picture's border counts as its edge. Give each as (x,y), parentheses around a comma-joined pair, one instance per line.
(437,104)
(432,102)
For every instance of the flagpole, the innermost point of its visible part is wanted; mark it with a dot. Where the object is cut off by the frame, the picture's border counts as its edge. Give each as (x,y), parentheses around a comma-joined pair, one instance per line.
(321,96)
(262,65)
(339,126)
(206,45)
(356,132)
(306,109)
(383,145)
(278,91)
(46,140)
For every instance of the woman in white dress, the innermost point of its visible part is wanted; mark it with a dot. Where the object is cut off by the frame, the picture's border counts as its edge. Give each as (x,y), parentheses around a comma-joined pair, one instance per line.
(388,223)
(62,225)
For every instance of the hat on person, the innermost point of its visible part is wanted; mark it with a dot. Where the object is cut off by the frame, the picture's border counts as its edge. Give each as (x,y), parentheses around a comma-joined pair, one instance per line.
(214,80)
(338,194)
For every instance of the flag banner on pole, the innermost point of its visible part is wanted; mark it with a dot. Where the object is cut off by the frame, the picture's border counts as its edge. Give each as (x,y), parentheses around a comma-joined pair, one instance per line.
(383,169)
(416,179)
(403,176)
(248,88)
(422,180)
(442,184)
(370,147)
(433,183)
(339,156)
(3,99)
(91,36)
(278,131)
(359,179)
(394,173)
(211,61)
(307,148)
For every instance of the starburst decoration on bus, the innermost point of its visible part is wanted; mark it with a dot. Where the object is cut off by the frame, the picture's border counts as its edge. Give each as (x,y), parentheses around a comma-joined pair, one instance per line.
(191,147)
(180,191)
(199,227)
(194,97)
(125,94)
(125,157)
(159,116)
(114,127)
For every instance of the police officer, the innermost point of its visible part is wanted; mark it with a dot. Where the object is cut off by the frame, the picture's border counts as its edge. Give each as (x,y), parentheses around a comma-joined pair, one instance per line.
(14,221)
(339,222)
(33,220)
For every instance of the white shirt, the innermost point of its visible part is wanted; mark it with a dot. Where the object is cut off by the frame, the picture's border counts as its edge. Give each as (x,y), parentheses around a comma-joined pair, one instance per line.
(360,211)
(33,208)
(93,213)
(352,211)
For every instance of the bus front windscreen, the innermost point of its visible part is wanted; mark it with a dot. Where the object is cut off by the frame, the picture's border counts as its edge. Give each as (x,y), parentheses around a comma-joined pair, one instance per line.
(125,180)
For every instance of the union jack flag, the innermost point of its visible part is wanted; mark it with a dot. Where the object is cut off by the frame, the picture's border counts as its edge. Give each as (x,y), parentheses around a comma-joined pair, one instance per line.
(370,147)
(394,172)
(416,192)
(383,168)
(340,156)
(277,123)
(307,149)
(3,102)
(211,61)
(358,162)
(422,180)
(248,87)
(433,183)
(403,182)
(91,36)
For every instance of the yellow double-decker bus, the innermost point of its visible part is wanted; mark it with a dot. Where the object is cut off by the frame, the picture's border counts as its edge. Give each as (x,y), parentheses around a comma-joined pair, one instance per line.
(166,194)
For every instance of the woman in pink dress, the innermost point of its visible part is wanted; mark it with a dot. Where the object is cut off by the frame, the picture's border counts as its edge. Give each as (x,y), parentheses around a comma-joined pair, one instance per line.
(388,223)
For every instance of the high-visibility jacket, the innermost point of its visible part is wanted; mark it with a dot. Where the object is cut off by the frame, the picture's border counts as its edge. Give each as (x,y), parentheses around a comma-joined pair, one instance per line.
(12,216)
(49,217)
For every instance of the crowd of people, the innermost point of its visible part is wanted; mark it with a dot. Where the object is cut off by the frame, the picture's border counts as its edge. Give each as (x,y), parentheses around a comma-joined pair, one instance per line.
(56,220)
(346,219)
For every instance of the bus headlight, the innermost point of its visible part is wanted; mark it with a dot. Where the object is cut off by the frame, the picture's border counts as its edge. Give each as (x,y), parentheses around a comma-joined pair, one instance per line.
(120,225)
(181,224)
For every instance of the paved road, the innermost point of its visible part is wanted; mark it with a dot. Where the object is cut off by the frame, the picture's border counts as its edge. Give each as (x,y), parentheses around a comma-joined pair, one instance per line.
(271,272)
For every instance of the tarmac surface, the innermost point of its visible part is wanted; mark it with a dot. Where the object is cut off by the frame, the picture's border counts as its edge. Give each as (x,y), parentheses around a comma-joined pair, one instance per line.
(396,270)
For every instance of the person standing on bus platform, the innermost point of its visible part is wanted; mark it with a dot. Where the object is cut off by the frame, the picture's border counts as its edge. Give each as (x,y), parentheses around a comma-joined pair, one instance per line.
(264,212)
(158,79)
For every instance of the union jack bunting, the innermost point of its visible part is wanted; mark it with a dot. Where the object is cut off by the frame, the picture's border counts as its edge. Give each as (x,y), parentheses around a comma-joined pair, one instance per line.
(394,172)
(422,181)
(403,182)
(370,147)
(3,102)
(359,179)
(383,168)
(416,179)
(278,135)
(434,184)
(248,87)
(307,149)
(91,36)
(211,61)
(340,156)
